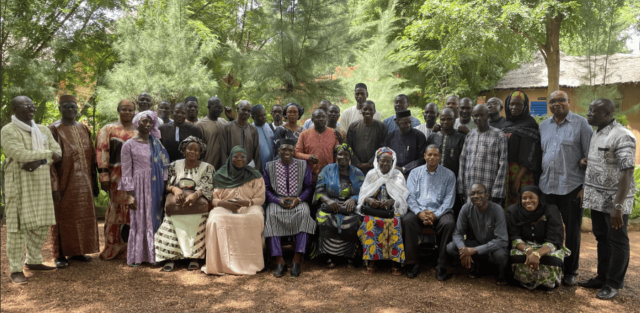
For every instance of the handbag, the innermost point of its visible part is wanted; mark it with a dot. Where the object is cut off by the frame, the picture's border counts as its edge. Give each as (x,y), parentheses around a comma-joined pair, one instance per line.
(200,206)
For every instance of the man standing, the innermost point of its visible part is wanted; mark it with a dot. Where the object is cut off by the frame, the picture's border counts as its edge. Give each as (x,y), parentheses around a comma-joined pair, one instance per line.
(431,194)
(400,103)
(354,113)
(484,158)
(74,184)
(450,142)
(365,137)
(259,115)
(464,123)
(430,115)
(324,106)
(495,119)
(276,114)
(210,127)
(288,186)
(315,145)
(408,143)
(164,111)
(191,104)
(453,102)
(145,103)
(172,134)
(332,122)
(565,138)
(608,191)
(481,234)
(30,150)
(241,133)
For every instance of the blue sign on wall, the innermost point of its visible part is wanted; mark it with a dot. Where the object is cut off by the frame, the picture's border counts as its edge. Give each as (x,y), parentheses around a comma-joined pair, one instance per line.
(538,108)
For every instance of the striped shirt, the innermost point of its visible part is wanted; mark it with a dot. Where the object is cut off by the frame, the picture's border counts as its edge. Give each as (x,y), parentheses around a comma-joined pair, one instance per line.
(484,160)
(563,146)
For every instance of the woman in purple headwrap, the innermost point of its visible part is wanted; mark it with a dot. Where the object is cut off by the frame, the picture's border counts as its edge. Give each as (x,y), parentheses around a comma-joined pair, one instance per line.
(144,170)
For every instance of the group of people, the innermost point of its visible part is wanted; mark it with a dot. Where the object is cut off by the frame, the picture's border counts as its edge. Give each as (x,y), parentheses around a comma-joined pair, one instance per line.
(493,190)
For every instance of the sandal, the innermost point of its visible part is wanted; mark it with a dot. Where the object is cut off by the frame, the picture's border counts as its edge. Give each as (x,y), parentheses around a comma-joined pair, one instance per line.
(193,266)
(168,267)
(61,263)
(330,264)
(395,271)
(370,270)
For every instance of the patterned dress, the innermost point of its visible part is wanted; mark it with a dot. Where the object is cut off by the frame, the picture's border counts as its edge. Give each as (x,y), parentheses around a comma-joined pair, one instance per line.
(381,238)
(183,236)
(109,143)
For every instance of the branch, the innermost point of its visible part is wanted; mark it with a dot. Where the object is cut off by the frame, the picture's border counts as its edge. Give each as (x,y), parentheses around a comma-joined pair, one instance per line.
(42,44)
(541,47)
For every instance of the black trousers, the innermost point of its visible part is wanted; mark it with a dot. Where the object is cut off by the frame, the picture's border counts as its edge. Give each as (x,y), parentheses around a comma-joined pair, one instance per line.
(613,249)
(499,257)
(412,227)
(569,206)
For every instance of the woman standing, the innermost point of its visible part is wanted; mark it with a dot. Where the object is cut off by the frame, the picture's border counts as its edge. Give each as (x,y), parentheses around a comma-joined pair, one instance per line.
(524,149)
(289,130)
(234,227)
(109,143)
(181,236)
(144,170)
(382,203)
(536,235)
(338,189)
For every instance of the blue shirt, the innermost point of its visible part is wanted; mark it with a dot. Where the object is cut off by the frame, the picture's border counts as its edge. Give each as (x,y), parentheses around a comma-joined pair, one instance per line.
(266,143)
(563,146)
(309,123)
(391,123)
(431,191)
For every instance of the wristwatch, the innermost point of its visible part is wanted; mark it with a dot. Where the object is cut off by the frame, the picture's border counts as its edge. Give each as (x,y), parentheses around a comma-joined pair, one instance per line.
(44,161)
(536,254)
(618,207)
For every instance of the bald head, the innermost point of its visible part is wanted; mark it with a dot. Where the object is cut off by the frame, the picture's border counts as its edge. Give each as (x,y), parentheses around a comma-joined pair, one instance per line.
(244,110)
(480,116)
(430,114)
(144,102)
(559,104)
(20,100)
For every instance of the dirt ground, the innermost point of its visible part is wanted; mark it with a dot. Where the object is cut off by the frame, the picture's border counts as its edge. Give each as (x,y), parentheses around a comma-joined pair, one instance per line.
(107,286)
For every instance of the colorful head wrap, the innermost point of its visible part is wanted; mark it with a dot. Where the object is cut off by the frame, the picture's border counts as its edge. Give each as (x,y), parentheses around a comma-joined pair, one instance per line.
(153,116)
(518,94)
(341,147)
(384,150)
(190,139)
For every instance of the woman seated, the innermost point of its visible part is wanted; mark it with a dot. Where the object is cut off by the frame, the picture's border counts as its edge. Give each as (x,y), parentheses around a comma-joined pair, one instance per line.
(181,235)
(338,189)
(536,235)
(382,204)
(234,227)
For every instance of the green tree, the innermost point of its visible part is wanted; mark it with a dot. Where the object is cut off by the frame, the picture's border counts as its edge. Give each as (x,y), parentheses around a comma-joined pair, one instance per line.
(379,62)
(162,52)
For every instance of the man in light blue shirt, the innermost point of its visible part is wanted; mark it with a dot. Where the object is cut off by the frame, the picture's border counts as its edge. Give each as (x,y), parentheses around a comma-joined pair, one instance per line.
(565,139)
(401,103)
(432,190)
(266,136)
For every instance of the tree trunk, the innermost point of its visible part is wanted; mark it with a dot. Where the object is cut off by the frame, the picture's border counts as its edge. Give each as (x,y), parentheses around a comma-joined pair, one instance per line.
(552,49)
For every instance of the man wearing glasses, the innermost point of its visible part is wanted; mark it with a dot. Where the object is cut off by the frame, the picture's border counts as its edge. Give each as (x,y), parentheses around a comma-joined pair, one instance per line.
(565,139)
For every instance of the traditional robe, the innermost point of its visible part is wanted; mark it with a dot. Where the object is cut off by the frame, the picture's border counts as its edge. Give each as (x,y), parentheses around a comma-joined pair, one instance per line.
(211,135)
(365,140)
(393,126)
(173,134)
(352,115)
(450,148)
(247,137)
(409,148)
(499,123)
(321,145)
(267,143)
(76,229)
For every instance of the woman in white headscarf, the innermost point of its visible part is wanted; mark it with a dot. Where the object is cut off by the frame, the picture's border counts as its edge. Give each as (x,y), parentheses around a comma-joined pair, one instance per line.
(382,203)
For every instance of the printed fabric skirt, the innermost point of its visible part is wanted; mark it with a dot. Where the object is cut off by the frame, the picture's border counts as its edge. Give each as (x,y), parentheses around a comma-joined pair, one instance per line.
(281,222)
(337,234)
(181,237)
(512,173)
(381,239)
(549,273)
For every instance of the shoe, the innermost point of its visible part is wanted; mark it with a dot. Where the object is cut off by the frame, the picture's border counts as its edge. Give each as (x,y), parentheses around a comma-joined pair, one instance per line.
(350,264)
(591,283)
(39,267)
(607,293)
(295,269)
(193,266)
(81,258)
(396,271)
(501,281)
(473,274)
(569,280)
(330,264)
(61,262)
(18,278)
(280,270)
(441,274)
(412,271)
(168,267)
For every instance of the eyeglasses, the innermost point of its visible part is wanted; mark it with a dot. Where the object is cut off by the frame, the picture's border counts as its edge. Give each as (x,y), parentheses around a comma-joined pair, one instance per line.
(559,100)
(477,193)
(239,157)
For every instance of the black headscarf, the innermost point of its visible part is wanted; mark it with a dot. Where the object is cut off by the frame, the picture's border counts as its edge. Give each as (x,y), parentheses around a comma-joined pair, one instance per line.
(524,146)
(521,215)
(300,109)
(518,218)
